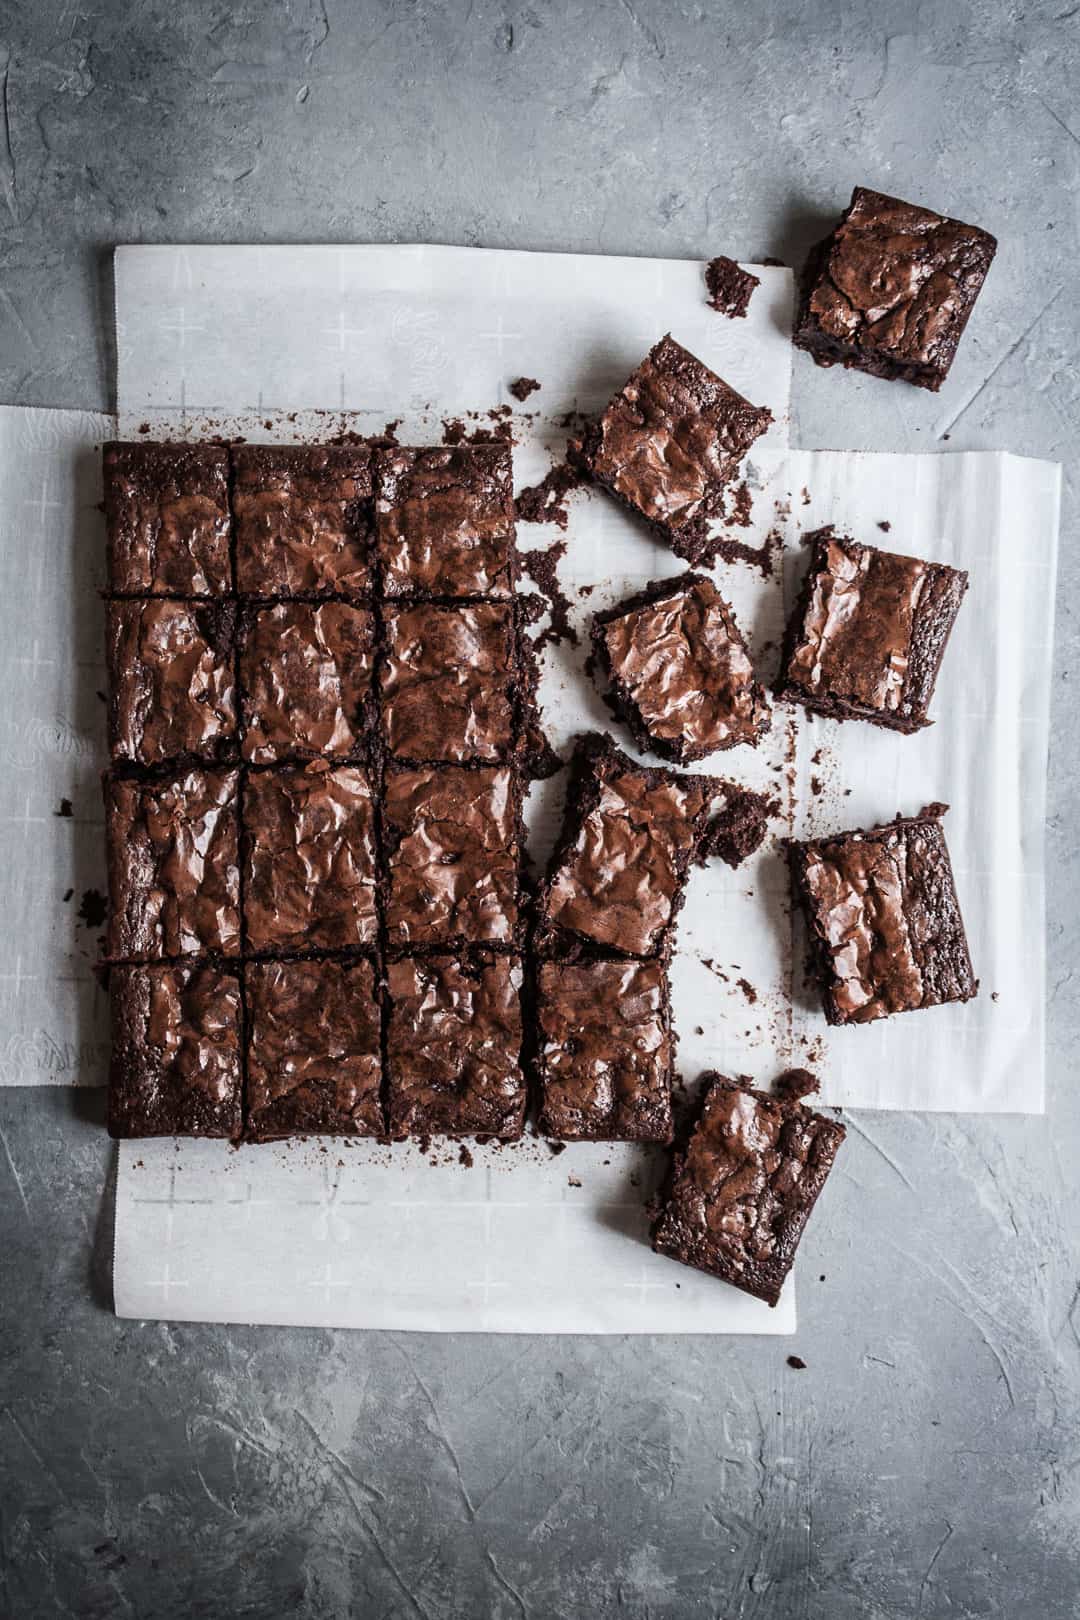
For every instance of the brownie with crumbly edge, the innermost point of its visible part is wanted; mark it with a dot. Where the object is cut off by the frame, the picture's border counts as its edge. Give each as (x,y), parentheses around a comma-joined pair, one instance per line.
(174,879)
(742,1191)
(604,1050)
(305,672)
(175,1068)
(167,519)
(303,516)
(884,920)
(444,521)
(313,1058)
(448,680)
(630,837)
(890,291)
(454,1046)
(309,859)
(681,675)
(669,446)
(171,680)
(869,633)
(730,287)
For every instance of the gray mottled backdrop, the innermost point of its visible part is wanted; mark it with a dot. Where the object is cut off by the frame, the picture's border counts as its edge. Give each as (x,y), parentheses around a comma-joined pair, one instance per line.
(925,1462)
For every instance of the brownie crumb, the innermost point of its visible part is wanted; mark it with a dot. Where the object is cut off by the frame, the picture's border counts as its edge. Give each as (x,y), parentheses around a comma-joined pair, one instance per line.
(67,895)
(144,427)
(541,567)
(573,1181)
(805,495)
(698,1030)
(65,809)
(555,1148)
(763,557)
(730,287)
(797,1362)
(884,525)
(545,502)
(586,590)
(465,1157)
(995,995)
(454,431)
(748,990)
(93,909)
(743,507)
(816,786)
(524,387)
(798,1083)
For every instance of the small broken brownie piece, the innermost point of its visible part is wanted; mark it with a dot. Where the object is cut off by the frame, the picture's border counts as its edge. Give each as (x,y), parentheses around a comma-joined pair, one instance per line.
(444,521)
(167,519)
(730,287)
(604,1050)
(869,633)
(448,678)
(305,680)
(680,672)
(890,291)
(303,519)
(670,443)
(171,686)
(313,1061)
(741,1193)
(884,920)
(454,1046)
(175,1051)
(631,834)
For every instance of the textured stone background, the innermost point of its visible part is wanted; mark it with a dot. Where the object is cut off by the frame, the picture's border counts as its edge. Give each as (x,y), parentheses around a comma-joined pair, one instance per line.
(926,1462)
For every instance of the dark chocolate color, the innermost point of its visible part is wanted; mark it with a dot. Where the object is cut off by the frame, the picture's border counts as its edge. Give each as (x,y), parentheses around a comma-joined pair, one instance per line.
(868,636)
(175,1051)
(891,290)
(605,1050)
(444,521)
(884,920)
(313,1049)
(167,519)
(305,678)
(730,287)
(447,682)
(743,1190)
(171,687)
(303,518)
(454,1047)
(174,880)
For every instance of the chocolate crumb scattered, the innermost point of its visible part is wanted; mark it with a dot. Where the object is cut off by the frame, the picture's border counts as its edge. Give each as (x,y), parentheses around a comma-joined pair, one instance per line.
(67,895)
(65,809)
(586,590)
(730,287)
(763,557)
(573,1181)
(545,502)
(541,567)
(816,786)
(93,909)
(144,427)
(995,995)
(454,431)
(805,496)
(743,506)
(748,990)
(884,525)
(797,1362)
(524,387)
(465,1157)
(698,1030)
(555,1148)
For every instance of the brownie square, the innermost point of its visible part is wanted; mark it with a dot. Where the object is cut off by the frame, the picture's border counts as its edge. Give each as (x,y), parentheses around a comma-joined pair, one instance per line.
(305,679)
(303,518)
(452,838)
(448,678)
(175,1051)
(890,291)
(670,443)
(605,1051)
(167,519)
(742,1192)
(444,521)
(313,1062)
(631,834)
(681,675)
(454,1047)
(868,636)
(309,859)
(171,687)
(884,921)
(174,878)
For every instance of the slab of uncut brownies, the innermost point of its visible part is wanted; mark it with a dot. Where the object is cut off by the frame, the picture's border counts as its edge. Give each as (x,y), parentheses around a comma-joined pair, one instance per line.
(669,445)
(176,1062)
(680,673)
(869,632)
(453,1046)
(884,921)
(604,1050)
(630,836)
(171,680)
(444,521)
(167,519)
(890,291)
(741,1193)
(303,516)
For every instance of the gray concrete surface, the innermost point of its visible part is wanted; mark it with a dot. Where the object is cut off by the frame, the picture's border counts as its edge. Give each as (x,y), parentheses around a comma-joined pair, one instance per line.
(927,1460)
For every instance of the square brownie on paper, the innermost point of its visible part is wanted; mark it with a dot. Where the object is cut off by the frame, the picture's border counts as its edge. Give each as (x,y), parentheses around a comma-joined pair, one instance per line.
(890,291)
(303,517)
(742,1192)
(309,859)
(670,444)
(630,837)
(175,1051)
(313,1062)
(174,875)
(452,838)
(884,921)
(448,681)
(869,633)
(305,680)
(454,1046)
(167,519)
(171,680)
(444,521)
(681,676)
(604,1050)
